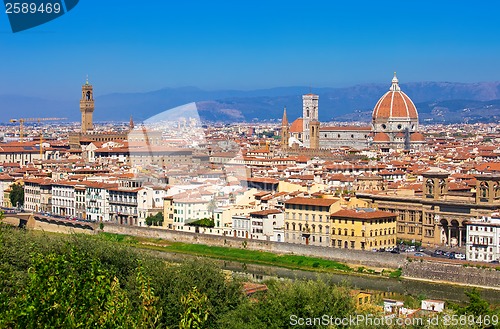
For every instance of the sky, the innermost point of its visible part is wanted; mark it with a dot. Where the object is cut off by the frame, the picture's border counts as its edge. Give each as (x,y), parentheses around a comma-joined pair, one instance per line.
(140,46)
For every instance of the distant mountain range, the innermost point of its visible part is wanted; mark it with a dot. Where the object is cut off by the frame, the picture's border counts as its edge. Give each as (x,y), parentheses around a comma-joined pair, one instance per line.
(436,102)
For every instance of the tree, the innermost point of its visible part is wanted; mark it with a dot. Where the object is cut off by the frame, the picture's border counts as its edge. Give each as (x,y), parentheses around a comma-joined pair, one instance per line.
(16,195)
(288,300)
(155,220)
(477,306)
(196,311)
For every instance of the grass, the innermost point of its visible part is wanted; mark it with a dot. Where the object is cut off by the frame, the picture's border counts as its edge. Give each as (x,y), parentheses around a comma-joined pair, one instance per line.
(244,255)
(258,257)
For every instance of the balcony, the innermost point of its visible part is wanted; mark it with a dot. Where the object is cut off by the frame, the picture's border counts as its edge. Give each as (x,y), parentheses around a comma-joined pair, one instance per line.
(122,201)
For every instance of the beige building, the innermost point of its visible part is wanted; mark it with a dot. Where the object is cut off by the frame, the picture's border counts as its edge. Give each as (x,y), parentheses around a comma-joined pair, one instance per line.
(363,229)
(437,216)
(307,220)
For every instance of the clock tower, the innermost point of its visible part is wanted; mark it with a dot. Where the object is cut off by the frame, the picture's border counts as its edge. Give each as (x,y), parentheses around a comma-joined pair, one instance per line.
(87,106)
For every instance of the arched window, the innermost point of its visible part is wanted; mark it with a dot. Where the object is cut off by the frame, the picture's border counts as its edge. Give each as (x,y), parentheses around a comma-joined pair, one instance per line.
(442,186)
(496,189)
(484,190)
(429,186)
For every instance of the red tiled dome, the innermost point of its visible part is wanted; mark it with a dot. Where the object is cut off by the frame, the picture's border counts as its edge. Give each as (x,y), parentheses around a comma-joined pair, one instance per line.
(417,137)
(395,104)
(381,137)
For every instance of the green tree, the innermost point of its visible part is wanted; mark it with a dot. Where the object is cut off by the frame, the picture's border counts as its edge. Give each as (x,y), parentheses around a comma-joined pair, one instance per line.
(476,306)
(69,291)
(195,313)
(155,220)
(16,195)
(288,300)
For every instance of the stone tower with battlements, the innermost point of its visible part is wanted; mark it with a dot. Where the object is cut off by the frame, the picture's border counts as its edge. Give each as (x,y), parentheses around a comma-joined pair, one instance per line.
(87,107)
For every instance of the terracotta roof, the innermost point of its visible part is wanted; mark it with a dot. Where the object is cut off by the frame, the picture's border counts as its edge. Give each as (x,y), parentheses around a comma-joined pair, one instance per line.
(381,137)
(266,212)
(362,214)
(417,137)
(342,128)
(312,201)
(297,126)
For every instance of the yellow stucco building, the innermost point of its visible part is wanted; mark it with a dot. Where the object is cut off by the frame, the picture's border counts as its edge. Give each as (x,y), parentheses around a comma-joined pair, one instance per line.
(363,229)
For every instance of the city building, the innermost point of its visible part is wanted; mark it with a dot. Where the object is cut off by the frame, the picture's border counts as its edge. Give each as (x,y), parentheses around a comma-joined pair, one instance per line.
(189,209)
(63,198)
(97,201)
(363,229)
(307,220)
(483,239)
(437,216)
(267,225)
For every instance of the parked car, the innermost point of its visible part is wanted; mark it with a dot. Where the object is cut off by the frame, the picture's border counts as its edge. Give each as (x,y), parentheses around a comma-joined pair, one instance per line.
(419,254)
(460,256)
(395,251)
(494,261)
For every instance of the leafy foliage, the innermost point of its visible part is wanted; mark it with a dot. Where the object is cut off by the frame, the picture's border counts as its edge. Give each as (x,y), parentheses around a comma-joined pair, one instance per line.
(195,313)
(155,220)
(204,222)
(16,195)
(82,281)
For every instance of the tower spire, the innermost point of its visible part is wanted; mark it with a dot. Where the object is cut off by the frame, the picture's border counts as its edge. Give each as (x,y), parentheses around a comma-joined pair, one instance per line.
(131,123)
(284,121)
(395,84)
(87,80)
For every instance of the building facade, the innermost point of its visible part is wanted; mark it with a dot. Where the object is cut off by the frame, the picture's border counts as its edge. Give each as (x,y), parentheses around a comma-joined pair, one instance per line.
(363,229)
(483,239)
(437,216)
(307,220)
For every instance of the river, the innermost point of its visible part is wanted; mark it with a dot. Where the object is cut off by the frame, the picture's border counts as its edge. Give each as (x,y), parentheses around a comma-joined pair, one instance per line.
(388,287)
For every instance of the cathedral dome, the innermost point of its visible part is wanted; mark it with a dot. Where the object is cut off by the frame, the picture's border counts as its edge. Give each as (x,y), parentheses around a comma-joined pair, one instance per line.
(394,104)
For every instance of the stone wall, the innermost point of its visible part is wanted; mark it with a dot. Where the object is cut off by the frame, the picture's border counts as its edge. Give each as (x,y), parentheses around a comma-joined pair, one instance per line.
(353,257)
(455,273)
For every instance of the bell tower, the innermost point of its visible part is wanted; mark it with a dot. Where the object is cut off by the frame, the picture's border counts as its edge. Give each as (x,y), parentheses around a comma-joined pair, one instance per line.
(87,106)
(285,130)
(309,114)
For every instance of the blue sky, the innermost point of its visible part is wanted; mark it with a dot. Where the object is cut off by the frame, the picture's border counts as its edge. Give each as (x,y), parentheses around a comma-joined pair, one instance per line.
(137,46)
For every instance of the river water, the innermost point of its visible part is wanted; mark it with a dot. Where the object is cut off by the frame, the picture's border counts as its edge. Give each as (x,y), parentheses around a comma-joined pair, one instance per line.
(387,287)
